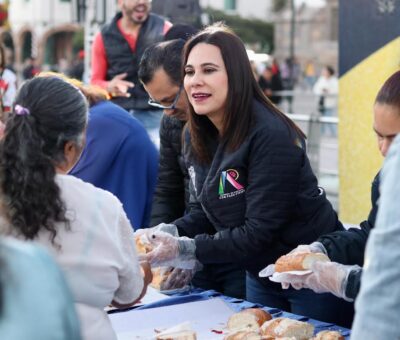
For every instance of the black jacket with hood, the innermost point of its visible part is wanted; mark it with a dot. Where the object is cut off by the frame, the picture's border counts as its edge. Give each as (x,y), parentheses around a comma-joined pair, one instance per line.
(171,196)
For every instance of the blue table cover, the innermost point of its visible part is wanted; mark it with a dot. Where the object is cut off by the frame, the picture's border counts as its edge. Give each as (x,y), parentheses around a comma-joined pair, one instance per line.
(197,294)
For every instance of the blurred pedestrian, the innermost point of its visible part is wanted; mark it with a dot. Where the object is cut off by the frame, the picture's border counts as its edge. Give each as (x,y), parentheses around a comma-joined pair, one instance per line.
(289,74)
(327,88)
(271,83)
(8,85)
(78,65)
(275,67)
(309,74)
(30,69)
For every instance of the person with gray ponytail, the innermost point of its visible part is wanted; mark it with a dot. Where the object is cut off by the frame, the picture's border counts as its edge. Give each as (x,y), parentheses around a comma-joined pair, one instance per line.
(85,228)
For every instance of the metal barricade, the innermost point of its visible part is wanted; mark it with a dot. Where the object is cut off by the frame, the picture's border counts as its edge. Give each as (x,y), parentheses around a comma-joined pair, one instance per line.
(322,152)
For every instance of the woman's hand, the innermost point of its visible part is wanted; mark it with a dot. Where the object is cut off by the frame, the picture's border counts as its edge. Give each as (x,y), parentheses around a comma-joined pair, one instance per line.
(165,249)
(179,252)
(178,278)
(165,227)
(315,247)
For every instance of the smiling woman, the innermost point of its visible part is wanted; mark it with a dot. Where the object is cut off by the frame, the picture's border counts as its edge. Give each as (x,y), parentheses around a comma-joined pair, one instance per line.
(206,83)
(252,192)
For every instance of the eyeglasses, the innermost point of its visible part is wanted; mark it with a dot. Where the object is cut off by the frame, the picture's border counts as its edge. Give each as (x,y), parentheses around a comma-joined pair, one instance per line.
(152,102)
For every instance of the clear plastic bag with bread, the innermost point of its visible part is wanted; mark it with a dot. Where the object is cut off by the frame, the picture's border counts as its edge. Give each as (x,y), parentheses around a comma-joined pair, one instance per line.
(168,250)
(165,227)
(165,278)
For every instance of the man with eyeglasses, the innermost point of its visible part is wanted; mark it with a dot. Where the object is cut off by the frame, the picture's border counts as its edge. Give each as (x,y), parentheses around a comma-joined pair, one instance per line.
(160,73)
(116,53)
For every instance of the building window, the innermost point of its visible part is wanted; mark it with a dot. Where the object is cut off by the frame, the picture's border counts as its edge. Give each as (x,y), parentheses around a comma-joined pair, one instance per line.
(230,5)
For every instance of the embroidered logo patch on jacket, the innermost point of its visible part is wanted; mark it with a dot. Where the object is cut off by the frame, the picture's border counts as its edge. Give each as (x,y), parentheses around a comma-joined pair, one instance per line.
(229,185)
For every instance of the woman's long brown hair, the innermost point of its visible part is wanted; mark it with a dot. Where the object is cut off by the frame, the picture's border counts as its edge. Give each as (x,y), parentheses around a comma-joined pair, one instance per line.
(242,90)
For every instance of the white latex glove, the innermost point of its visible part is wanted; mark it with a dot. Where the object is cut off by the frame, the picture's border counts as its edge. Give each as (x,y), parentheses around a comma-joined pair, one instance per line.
(178,278)
(326,277)
(172,251)
(165,227)
(165,249)
(315,247)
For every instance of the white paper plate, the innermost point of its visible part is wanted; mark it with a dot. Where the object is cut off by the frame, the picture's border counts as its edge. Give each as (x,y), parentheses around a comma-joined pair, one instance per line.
(280,277)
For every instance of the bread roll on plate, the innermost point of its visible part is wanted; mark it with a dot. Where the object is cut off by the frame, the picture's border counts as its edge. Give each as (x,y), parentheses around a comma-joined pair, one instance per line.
(250,319)
(284,327)
(298,261)
(328,335)
(143,246)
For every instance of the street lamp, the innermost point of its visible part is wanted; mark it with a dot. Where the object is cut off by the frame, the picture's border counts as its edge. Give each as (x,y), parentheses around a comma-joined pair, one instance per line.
(291,48)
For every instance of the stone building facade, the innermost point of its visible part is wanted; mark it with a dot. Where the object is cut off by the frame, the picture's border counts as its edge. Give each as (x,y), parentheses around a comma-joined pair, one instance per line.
(316,34)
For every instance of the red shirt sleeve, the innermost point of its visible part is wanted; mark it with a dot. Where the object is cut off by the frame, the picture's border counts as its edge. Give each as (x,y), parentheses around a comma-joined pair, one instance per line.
(99,58)
(167,26)
(99,62)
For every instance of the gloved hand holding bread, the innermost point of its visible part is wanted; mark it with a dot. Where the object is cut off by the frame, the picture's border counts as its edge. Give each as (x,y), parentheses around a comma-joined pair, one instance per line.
(324,276)
(171,257)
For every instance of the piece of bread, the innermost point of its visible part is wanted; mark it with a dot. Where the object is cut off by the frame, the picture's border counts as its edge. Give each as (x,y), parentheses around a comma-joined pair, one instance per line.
(142,247)
(180,335)
(298,261)
(249,319)
(244,335)
(160,275)
(284,327)
(328,335)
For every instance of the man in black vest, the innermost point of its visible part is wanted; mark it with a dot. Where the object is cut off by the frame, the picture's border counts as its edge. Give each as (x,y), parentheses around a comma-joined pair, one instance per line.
(116,54)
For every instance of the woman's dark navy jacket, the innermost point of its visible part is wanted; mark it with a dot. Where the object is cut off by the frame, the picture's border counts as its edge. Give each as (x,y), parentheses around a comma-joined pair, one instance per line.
(348,246)
(252,205)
